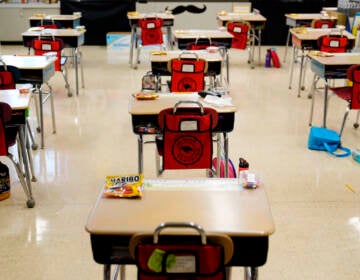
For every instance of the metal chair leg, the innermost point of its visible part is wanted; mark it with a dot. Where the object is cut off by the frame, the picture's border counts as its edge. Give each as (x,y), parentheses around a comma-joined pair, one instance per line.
(356,124)
(251,273)
(52,108)
(34,145)
(344,120)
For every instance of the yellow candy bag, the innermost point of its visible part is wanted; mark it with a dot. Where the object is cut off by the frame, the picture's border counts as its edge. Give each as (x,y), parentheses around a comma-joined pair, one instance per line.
(127,186)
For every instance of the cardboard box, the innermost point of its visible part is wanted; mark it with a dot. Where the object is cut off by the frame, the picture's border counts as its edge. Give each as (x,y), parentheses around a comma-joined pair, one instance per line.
(118,40)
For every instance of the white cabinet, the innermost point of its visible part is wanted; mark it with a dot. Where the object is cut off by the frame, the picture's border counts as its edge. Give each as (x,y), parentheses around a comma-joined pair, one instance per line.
(14,18)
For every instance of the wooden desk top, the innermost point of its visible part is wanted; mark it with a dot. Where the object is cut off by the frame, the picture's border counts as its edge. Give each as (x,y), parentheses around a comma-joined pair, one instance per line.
(232,211)
(337,59)
(201,33)
(168,55)
(28,61)
(167,100)
(137,15)
(307,33)
(239,16)
(308,16)
(55,17)
(36,31)
(16,100)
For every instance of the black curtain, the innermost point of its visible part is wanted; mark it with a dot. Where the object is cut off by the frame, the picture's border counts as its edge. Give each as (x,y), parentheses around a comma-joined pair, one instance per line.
(100,17)
(274,10)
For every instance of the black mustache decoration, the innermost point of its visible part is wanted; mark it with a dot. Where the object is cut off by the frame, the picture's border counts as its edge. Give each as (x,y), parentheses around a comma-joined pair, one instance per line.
(190,8)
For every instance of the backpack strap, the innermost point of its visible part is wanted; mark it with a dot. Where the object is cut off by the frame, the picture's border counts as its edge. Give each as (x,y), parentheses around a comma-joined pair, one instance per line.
(331,150)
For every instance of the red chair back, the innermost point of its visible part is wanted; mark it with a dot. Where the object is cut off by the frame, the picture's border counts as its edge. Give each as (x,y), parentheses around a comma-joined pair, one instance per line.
(51,44)
(187,136)
(187,75)
(333,43)
(323,23)
(151,33)
(353,74)
(240,32)
(7,76)
(5,116)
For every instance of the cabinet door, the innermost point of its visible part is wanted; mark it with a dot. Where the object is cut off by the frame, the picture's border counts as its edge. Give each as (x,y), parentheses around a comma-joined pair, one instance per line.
(14,21)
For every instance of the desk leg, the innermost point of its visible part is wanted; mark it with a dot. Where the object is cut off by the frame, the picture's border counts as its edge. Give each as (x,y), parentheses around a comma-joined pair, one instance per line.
(287,45)
(251,273)
(301,71)
(292,66)
(252,49)
(169,37)
(132,38)
(140,153)
(218,154)
(76,53)
(41,118)
(259,45)
(226,154)
(107,271)
(326,90)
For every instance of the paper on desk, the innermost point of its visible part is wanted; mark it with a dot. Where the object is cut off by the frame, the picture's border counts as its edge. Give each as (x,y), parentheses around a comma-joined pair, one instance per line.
(218,101)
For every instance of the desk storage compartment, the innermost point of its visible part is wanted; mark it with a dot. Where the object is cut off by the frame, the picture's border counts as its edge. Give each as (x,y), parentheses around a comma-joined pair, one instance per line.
(113,249)
(18,117)
(148,124)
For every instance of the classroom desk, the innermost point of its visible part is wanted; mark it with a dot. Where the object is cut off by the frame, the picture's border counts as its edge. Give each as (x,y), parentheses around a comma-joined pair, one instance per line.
(168,22)
(257,23)
(144,114)
(305,39)
(221,38)
(34,68)
(220,206)
(159,61)
(66,21)
(72,38)
(302,19)
(333,67)
(19,103)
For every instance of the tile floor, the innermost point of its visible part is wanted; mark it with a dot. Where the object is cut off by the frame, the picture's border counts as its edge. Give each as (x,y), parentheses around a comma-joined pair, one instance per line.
(317,218)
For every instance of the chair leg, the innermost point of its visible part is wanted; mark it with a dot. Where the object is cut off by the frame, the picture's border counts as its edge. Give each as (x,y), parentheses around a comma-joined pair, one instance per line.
(52,108)
(35,95)
(137,62)
(28,152)
(251,273)
(34,145)
(67,85)
(312,96)
(344,120)
(356,124)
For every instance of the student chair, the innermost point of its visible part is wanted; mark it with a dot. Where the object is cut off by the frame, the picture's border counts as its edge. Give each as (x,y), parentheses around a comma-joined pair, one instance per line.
(47,43)
(186,137)
(187,73)
(150,34)
(9,77)
(241,32)
(351,94)
(322,23)
(8,138)
(331,43)
(180,254)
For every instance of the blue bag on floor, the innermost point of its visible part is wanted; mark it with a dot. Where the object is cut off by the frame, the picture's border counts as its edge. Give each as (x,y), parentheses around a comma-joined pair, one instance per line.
(323,139)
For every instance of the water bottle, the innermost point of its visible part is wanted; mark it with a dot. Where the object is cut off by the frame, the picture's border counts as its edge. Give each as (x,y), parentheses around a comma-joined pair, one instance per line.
(4,181)
(356,155)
